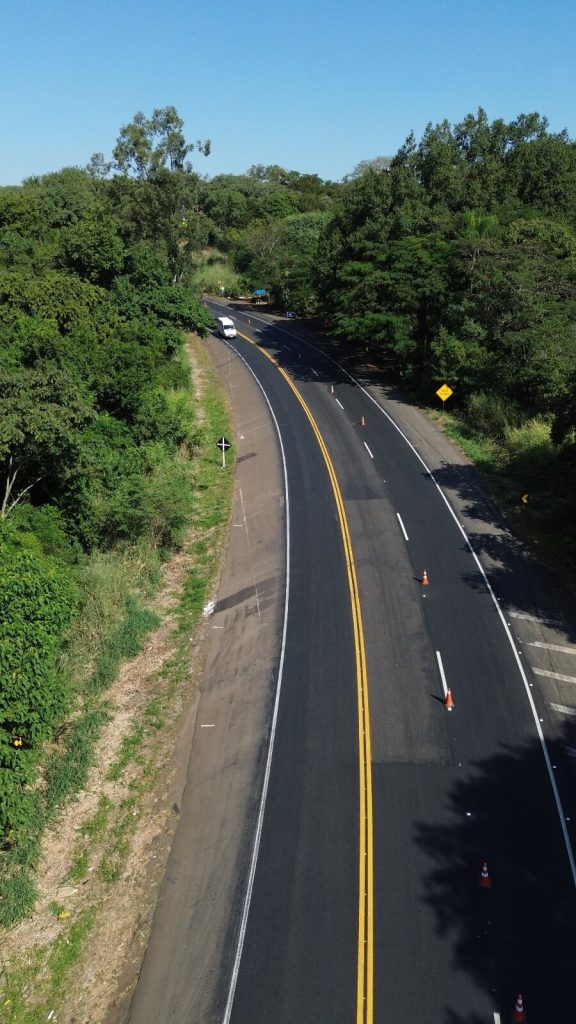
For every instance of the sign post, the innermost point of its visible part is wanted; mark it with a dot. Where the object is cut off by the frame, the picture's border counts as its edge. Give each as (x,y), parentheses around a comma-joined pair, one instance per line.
(223,445)
(444,392)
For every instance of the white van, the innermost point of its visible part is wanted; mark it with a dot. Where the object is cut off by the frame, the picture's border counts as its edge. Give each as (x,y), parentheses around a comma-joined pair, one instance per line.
(225,327)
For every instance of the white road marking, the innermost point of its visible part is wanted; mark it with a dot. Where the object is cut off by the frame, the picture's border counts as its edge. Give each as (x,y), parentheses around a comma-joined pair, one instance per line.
(315,372)
(545,753)
(496,1018)
(536,618)
(482,571)
(442,676)
(554,675)
(550,647)
(208,725)
(563,710)
(273,726)
(402,526)
(338,402)
(368,450)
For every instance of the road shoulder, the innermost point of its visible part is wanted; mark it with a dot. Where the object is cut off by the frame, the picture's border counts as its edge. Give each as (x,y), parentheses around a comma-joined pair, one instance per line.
(192,942)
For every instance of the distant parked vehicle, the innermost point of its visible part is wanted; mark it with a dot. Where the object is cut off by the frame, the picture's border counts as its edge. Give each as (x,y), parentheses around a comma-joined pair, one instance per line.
(291,314)
(225,327)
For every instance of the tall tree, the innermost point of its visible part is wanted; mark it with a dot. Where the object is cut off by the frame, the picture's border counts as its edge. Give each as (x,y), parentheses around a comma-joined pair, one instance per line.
(150,143)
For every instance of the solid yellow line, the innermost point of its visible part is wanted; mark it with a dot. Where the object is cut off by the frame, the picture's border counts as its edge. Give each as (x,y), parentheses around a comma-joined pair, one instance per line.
(365,984)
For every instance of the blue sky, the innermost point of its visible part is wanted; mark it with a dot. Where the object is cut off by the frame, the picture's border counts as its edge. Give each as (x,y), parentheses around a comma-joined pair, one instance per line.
(314,88)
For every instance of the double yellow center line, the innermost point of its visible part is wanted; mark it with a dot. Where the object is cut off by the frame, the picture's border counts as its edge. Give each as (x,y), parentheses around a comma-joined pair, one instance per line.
(365,986)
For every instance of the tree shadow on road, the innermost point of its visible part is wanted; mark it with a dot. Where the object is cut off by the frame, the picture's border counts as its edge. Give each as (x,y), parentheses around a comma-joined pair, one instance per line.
(517,935)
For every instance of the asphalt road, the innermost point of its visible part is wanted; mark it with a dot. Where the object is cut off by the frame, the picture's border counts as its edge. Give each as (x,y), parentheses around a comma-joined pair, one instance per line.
(450,789)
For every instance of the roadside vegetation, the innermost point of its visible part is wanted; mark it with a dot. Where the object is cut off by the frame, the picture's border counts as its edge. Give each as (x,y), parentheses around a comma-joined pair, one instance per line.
(452,261)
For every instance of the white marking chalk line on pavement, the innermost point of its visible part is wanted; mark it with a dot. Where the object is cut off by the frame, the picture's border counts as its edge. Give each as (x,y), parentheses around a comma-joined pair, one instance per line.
(554,675)
(402,526)
(441,670)
(549,647)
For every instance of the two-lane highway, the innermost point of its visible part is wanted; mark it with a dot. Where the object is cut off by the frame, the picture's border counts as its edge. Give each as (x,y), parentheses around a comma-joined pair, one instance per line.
(451,790)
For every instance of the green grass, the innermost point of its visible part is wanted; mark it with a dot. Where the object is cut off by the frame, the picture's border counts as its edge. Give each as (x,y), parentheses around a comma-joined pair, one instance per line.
(79,866)
(129,749)
(125,641)
(37,984)
(96,825)
(66,952)
(67,771)
(17,897)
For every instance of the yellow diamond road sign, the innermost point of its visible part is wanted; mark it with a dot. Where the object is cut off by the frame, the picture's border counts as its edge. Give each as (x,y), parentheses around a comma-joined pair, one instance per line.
(444,392)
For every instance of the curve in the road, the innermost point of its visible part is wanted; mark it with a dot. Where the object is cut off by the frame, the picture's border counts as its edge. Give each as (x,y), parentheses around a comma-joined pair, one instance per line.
(365,988)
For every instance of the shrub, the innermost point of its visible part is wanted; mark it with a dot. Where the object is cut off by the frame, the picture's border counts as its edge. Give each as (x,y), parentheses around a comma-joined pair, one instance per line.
(167,417)
(169,496)
(490,415)
(17,897)
(37,602)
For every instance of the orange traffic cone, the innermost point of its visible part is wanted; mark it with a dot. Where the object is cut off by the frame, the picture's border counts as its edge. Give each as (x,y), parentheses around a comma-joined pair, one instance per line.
(484,881)
(518,1015)
(448,702)
(362,421)
(424,581)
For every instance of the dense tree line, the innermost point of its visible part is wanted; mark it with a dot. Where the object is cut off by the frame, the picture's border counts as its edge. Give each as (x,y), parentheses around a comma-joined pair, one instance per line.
(458,262)
(97,433)
(453,260)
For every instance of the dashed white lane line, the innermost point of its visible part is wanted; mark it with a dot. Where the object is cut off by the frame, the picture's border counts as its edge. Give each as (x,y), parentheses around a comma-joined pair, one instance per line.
(338,402)
(441,670)
(563,710)
(550,647)
(402,526)
(536,618)
(208,725)
(368,450)
(315,372)
(496,1018)
(554,675)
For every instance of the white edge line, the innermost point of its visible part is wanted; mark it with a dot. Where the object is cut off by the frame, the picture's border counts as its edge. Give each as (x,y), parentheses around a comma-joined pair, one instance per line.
(260,819)
(546,755)
(441,670)
(368,450)
(402,526)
